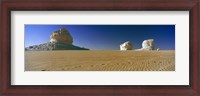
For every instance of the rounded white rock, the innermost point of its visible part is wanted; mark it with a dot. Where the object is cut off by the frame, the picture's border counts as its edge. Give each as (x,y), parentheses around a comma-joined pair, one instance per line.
(126,46)
(148,44)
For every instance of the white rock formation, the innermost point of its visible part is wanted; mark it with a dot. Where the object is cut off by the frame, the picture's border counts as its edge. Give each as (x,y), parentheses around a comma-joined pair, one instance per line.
(148,44)
(62,36)
(126,46)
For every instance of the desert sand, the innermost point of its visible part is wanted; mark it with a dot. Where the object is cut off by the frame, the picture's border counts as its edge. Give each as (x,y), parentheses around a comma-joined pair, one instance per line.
(93,60)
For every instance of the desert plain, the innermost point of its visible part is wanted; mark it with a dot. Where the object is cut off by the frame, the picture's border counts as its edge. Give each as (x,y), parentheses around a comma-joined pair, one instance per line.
(95,60)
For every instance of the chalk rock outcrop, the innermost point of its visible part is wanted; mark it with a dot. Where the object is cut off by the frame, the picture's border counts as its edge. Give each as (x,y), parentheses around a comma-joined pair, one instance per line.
(53,46)
(60,40)
(126,46)
(62,36)
(148,44)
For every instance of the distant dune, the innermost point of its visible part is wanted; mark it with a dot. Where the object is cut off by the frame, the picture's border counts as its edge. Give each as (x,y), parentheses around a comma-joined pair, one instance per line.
(85,60)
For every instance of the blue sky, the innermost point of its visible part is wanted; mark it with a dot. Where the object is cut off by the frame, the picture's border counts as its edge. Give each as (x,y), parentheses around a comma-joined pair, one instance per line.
(105,37)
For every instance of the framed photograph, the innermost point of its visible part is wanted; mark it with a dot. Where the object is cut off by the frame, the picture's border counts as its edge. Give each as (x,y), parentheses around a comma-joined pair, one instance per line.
(112,47)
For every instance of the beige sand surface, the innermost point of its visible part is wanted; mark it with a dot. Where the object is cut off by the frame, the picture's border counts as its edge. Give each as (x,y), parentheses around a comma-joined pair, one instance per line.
(100,60)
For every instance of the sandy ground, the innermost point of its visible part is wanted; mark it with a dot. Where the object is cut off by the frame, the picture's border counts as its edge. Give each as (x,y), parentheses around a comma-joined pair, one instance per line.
(100,60)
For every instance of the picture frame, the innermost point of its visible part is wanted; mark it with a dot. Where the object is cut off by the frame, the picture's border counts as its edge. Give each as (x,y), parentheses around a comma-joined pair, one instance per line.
(100,5)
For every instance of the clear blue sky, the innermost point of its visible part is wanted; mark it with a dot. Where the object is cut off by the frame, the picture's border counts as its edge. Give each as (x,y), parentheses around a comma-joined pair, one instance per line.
(105,37)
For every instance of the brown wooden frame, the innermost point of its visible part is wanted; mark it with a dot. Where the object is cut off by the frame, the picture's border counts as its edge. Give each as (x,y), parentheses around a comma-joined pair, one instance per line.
(193,89)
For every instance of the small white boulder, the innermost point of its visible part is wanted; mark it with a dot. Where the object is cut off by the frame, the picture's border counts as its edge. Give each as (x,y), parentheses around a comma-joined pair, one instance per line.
(148,44)
(126,46)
